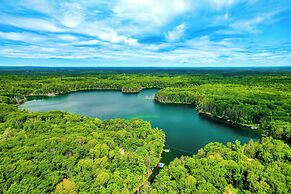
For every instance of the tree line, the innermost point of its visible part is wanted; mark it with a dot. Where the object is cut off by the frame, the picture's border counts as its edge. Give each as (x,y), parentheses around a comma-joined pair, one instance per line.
(259,107)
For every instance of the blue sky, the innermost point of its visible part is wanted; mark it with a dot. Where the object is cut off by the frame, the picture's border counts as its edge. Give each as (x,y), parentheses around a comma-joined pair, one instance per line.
(145,33)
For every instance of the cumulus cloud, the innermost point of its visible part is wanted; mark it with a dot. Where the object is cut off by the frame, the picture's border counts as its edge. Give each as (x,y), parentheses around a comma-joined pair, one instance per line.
(72,14)
(166,31)
(113,37)
(151,11)
(176,34)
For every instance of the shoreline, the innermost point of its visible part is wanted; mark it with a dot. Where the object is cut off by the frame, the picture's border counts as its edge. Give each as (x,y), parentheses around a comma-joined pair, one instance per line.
(155,170)
(204,114)
(229,122)
(215,118)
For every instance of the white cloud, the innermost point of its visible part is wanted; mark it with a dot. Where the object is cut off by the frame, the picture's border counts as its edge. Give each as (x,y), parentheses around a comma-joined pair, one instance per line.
(12,36)
(113,37)
(200,51)
(43,6)
(220,4)
(82,30)
(151,11)
(31,24)
(22,36)
(176,34)
(89,42)
(72,14)
(40,40)
(67,37)
(250,25)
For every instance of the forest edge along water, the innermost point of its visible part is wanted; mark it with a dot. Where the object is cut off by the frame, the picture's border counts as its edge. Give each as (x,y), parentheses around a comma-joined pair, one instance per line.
(186,130)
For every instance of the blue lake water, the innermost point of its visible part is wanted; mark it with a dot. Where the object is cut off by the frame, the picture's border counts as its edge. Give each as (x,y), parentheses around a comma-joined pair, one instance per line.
(186,131)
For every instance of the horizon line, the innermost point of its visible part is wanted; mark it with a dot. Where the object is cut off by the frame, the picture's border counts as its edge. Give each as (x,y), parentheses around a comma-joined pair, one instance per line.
(109,66)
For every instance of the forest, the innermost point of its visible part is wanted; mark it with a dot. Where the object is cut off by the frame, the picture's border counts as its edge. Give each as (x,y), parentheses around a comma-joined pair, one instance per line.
(256,167)
(58,152)
(259,107)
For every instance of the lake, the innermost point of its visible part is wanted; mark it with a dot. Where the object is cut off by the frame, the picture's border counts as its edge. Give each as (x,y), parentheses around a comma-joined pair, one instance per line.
(186,131)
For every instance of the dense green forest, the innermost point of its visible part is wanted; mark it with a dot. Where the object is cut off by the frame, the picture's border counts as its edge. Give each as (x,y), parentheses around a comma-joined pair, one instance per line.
(55,151)
(256,167)
(260,101)
(266,108)
(66,153)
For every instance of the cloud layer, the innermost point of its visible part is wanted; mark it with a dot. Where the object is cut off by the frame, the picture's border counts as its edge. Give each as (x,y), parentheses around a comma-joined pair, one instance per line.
(146,32)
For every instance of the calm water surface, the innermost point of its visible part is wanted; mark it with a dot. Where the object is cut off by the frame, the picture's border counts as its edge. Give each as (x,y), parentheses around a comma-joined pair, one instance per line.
(186,131)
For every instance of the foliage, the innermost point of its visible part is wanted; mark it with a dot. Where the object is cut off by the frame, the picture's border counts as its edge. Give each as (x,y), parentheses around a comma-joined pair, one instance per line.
(65,153)
(131,88)
(256,167)
(267,108)
(66,186)
(55,151)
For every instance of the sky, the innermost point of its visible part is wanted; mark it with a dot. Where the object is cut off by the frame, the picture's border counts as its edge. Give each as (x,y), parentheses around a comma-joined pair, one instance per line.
(145,33)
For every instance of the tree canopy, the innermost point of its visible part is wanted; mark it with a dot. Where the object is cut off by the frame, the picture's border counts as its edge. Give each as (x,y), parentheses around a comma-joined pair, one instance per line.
(255,167)
(57,152)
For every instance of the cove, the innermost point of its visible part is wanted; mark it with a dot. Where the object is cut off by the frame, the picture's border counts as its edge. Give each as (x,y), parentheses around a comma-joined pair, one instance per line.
(186,130)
